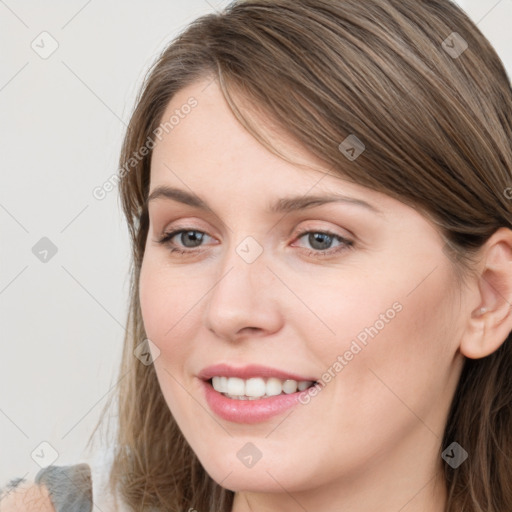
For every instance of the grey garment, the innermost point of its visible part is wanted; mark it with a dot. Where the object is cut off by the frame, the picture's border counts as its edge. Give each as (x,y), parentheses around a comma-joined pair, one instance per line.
(69,487)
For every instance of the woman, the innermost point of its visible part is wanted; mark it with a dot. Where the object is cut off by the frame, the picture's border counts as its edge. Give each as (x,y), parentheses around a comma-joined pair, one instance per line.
(319,199)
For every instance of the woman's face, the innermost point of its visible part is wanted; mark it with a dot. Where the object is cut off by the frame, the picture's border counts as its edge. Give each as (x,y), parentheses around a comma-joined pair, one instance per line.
(363,303)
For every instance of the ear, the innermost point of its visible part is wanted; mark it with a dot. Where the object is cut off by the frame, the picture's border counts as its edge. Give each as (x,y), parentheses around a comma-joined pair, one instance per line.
(491,319)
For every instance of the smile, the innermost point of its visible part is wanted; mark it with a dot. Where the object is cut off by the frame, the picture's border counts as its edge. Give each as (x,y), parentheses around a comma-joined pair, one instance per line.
(252,393)
(256,387)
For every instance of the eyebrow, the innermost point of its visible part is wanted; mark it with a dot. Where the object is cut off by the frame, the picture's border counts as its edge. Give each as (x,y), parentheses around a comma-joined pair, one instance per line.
(282,205)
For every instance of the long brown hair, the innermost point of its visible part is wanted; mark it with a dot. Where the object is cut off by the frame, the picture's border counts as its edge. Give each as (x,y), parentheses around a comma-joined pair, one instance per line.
(423,89)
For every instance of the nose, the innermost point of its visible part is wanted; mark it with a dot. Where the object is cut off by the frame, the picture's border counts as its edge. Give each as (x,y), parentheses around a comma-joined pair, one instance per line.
(243,299)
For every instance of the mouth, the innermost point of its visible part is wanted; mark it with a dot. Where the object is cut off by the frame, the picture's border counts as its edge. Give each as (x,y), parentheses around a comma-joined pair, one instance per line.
(257,388)
(253,393)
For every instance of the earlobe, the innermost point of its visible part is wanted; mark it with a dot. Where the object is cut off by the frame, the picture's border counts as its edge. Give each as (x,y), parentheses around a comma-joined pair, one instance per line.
(491,321)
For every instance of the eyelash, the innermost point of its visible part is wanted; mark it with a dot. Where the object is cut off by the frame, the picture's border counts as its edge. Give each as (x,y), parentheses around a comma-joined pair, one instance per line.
(345,243)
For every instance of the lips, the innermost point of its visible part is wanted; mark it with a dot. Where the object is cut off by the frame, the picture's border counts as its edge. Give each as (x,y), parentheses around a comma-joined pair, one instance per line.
(248,411)
(247,372)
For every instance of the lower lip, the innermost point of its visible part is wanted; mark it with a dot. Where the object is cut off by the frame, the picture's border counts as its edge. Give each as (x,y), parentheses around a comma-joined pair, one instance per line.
(249,411)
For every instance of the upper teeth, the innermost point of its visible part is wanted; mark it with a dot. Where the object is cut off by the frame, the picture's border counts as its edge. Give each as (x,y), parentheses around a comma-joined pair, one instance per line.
(257,386)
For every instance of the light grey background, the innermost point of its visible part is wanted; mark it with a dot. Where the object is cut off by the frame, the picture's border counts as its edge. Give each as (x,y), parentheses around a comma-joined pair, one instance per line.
(62,122)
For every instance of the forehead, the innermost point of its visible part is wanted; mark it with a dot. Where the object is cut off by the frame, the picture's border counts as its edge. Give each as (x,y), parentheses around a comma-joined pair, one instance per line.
(206,150)
(209,133)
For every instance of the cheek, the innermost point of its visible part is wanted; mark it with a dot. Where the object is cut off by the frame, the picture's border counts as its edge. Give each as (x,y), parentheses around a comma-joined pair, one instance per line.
(384,332)
(167,301)
(166,315)
(397,342)
(346,316)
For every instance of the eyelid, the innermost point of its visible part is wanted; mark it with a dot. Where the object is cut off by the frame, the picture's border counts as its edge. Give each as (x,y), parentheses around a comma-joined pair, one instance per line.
(186,225)
(306,226)
(296,232)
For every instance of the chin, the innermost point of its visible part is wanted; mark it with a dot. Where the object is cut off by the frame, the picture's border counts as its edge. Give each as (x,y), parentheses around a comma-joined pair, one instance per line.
(252,481)
(265,476)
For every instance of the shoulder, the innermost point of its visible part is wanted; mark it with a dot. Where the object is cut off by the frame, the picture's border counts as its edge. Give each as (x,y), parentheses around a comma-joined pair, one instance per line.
(26,497)
(55,489)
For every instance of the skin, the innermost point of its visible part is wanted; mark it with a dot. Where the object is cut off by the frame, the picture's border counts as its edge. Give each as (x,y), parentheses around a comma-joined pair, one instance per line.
(27,497)
(371,438)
